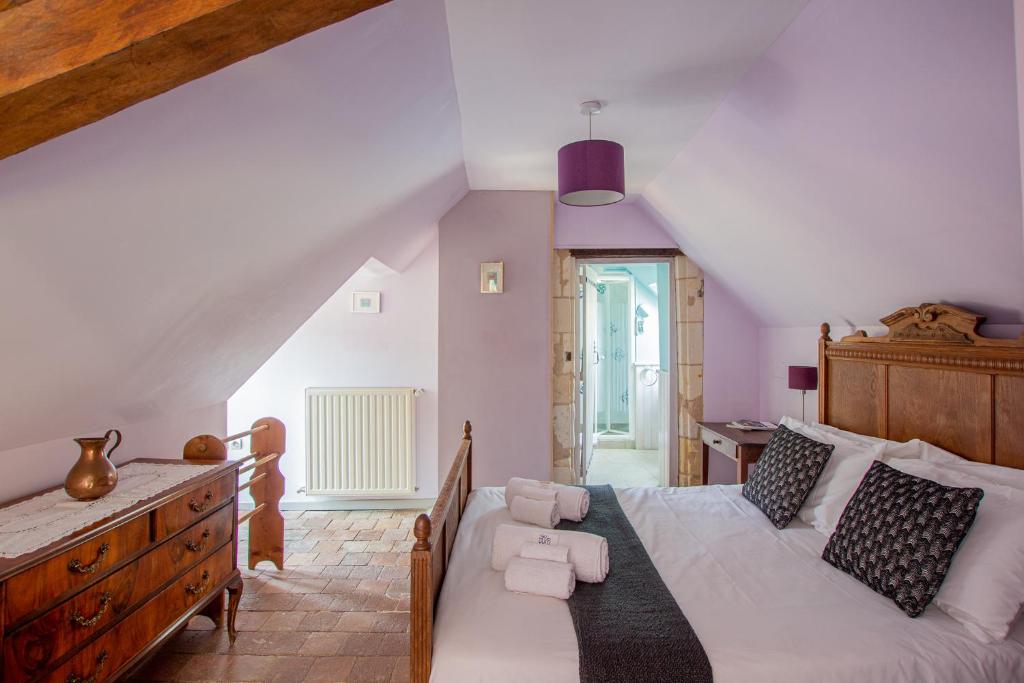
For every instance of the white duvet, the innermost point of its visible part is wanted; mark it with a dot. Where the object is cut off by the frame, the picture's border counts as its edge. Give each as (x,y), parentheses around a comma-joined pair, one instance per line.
(762,602)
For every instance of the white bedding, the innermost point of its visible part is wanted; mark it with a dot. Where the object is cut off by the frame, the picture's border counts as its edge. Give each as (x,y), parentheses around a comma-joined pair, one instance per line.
(762,602)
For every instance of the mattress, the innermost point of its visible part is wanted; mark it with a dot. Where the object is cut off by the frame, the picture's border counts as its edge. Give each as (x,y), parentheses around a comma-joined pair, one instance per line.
(764,604)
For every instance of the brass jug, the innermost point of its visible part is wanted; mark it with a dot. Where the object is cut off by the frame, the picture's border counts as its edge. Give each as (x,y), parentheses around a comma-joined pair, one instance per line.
(93,476)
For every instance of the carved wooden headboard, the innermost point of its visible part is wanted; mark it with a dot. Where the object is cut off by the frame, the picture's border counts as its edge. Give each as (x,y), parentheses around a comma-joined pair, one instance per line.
(932,377)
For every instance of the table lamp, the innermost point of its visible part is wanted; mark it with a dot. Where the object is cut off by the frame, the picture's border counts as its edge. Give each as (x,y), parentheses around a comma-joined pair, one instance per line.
(805,379)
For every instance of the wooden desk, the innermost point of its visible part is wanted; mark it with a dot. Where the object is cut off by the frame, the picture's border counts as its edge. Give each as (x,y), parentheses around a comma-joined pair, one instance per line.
(742,447)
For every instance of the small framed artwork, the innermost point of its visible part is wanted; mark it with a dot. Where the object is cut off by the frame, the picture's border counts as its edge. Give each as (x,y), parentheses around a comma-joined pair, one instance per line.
(366,302)
(492,277)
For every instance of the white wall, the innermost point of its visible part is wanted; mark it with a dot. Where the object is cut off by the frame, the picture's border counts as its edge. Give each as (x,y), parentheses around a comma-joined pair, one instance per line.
(338,348)
(30,468)
(648,344)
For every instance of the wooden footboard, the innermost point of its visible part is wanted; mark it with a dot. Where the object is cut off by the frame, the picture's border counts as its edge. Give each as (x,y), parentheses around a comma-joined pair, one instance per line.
(435,536)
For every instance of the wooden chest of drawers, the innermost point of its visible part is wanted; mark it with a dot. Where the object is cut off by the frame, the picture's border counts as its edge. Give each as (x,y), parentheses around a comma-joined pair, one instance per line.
(92,606)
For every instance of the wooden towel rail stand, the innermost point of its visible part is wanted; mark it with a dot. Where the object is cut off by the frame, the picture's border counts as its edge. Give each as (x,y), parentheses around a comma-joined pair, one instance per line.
(265,485)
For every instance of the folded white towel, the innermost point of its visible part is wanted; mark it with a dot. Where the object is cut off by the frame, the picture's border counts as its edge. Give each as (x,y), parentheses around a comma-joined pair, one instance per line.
(540,512)
(573,501)
(540,577)
(551,553)
(588,553)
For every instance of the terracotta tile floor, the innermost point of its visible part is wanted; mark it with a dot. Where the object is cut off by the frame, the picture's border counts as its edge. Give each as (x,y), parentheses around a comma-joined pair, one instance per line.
(337,613)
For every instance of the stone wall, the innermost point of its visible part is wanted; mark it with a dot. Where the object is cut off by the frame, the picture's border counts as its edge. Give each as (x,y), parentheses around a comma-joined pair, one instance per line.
(690,352)
(563,307)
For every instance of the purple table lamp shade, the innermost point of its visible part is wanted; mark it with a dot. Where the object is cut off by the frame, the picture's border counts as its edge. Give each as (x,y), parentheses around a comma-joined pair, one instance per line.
(803,377)
(591,173)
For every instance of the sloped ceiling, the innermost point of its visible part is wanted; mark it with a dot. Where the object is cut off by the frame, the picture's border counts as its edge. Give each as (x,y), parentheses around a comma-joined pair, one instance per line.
(868,161)
(862,157)
(662,66)
(830,161)
(151,262)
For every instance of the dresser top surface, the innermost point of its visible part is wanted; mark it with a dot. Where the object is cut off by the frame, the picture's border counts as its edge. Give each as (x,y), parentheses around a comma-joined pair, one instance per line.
(11,566)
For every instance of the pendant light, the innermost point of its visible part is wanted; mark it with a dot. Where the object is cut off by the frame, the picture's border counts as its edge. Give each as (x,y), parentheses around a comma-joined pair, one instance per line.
(591,172)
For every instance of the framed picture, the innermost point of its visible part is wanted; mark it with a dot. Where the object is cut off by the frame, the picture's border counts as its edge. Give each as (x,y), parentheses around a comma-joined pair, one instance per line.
(366,302)
(492,277)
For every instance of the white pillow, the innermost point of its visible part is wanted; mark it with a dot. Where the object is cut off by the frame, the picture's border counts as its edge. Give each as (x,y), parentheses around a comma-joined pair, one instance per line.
(996,474)
(893,449)
(984,588)
(1006,476)
(870,440)
(838,480)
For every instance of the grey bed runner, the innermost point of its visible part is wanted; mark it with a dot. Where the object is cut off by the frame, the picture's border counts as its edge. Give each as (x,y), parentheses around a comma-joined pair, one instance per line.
(629,628)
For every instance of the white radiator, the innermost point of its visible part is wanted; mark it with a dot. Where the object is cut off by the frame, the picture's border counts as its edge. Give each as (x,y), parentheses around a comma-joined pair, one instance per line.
(360,442)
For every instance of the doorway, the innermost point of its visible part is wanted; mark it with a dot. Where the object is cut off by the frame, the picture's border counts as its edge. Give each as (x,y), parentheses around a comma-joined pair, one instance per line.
(624,370)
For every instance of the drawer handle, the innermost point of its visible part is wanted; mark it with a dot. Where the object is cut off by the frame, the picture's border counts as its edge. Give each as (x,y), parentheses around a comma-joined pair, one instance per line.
(201,507)
(100,661)
(716,442)
(76,565)
(78,620)
(198,547)
(197,589)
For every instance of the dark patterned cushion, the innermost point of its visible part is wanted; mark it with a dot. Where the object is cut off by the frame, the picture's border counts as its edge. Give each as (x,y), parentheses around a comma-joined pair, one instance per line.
(785,473)
(899,532)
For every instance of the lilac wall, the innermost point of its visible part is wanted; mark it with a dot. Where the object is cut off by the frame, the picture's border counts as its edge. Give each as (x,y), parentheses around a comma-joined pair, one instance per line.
(339,348)
(174,246)
(730,356)
(868,161)
(730,367)
(494,349)
(853,171)
(31,468)
(1018,32)
(622,225)
(780,347)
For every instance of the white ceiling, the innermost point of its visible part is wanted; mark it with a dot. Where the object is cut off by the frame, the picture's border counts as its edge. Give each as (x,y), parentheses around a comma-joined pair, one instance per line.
(152,261)
(662,66)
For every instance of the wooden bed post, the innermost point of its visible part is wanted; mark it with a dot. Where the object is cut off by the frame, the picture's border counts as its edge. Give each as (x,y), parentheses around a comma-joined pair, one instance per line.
(421,608)
(435,538)
(823,374)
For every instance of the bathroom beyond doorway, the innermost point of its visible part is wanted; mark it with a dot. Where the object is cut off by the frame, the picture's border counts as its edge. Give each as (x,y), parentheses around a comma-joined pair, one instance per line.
(624,371)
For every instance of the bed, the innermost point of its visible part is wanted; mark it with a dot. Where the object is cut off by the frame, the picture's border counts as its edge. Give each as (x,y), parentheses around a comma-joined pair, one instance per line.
(763,603)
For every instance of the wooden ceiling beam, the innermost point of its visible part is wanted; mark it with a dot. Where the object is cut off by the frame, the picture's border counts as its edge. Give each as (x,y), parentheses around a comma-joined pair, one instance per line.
(68,63)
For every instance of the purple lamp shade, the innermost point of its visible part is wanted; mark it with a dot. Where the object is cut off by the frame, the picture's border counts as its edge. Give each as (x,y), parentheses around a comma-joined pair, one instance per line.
(803,377)
(591,173)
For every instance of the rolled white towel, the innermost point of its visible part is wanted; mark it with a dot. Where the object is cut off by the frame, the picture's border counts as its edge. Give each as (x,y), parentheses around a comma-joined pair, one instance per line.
(538,493)
(551,553)
(588,553)
(540,577)
(573,501)
(540,512)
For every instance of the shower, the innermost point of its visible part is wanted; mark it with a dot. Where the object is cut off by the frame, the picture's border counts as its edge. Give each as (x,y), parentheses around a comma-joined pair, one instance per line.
(613,354)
